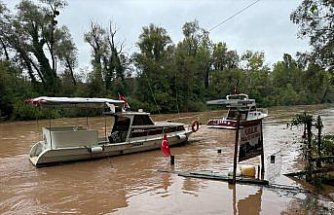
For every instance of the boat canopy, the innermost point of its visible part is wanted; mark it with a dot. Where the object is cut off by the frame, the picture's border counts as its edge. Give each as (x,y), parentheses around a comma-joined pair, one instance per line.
(232,102)
(72,101)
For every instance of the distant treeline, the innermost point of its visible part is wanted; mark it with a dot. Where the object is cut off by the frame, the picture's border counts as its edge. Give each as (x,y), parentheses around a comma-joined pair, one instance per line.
(38,57)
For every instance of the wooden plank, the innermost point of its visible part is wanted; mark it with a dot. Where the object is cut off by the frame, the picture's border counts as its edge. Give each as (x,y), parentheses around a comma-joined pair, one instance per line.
(300,173)
(221,177)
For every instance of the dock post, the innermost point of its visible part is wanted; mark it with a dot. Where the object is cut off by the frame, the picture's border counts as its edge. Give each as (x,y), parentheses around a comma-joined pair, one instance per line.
(235,163)
(172,160)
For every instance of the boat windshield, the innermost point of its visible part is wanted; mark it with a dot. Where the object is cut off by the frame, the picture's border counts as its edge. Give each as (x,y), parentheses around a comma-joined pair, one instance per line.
(233,114)
(142,120)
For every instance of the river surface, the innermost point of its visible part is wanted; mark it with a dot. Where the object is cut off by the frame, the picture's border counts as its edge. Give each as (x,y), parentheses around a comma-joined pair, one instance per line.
(132,184)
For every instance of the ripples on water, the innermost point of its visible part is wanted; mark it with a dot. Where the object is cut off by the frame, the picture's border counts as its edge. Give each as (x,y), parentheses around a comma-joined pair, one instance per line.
(131,184)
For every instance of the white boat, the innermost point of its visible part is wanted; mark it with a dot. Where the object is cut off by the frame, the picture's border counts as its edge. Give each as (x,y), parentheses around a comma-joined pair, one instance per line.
(130,132)
(237,104)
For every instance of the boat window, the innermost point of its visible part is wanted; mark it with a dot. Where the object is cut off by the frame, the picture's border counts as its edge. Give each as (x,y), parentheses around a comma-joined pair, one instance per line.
(142,120)
(243,115)
(120,129)
(253,108)
(232,114)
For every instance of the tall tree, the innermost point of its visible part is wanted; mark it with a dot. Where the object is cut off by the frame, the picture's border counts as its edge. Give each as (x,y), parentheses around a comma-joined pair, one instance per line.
(153,63)
(193,61)
(258,77)
(4,28)
(223,59)
(36,40)
(315,19)
(108,60)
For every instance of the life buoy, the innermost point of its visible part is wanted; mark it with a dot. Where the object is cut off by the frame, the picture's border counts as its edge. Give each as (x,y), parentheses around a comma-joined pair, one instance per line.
(195,126)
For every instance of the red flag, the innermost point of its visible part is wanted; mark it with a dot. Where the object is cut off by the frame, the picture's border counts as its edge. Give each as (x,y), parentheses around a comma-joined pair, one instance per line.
(165,146)
(126,104)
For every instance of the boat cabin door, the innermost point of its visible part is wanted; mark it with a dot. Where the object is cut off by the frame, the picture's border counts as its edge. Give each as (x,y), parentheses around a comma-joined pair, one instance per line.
(120,129)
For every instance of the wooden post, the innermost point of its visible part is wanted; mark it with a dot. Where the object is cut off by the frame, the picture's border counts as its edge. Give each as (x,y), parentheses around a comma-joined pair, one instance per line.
(235,163)
(319,125)
(262,153)
(235,204)
(309,148)
(172,160)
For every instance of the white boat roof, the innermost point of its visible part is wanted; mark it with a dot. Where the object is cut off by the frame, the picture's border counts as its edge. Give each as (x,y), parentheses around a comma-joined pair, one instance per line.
(72,101)
(234,100)
(133,113)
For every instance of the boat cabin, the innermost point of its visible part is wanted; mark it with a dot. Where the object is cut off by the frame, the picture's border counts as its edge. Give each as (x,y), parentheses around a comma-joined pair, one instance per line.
(136,125)
(237,104)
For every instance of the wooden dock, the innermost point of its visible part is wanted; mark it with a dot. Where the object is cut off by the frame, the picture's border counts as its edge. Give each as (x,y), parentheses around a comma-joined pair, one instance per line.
(211,175)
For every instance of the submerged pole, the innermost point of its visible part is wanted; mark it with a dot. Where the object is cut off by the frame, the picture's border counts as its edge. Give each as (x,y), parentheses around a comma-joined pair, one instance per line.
(235,163)
(172,160)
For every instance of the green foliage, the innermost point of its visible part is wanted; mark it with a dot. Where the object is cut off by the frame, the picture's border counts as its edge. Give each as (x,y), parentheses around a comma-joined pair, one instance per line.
(161,77)
(328,145)
(315,20)
(301,119)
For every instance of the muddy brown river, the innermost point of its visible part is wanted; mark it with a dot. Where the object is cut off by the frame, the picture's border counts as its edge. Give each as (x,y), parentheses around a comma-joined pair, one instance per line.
(132,184)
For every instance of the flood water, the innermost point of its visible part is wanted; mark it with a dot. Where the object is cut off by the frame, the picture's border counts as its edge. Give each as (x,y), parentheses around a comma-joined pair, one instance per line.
(132,184)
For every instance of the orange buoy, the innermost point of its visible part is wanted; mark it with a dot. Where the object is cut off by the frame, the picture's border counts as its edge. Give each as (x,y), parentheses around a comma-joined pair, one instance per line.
(195,126)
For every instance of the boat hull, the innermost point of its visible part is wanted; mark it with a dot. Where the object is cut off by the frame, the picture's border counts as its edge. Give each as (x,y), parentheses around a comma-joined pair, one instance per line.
(231,124)
(43,157)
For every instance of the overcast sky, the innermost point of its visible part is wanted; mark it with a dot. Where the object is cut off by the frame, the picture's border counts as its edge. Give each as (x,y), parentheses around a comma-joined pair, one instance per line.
(265,26)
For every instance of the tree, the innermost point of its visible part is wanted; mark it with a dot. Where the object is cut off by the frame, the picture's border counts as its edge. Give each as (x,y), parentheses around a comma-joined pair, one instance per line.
(223,58)
(67,53)
(4,28)
(315,19)
(193,63)
(37,41)
(258,83)
(154,62)
(108,60)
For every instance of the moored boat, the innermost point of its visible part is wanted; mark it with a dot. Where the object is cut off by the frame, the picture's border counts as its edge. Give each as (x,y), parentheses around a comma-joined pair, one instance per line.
(131,131)
(237,104)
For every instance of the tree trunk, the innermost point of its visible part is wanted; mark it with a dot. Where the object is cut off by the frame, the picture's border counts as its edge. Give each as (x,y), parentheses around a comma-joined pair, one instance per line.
(71,71)
(4,48)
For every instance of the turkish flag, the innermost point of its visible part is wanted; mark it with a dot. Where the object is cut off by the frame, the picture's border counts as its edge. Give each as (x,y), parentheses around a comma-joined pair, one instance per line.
(126,103)
(165,146)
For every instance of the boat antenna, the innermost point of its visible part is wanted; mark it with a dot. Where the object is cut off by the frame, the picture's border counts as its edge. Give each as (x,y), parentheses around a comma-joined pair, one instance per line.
(37,123)
(234,15)
(105,127)
(50,131)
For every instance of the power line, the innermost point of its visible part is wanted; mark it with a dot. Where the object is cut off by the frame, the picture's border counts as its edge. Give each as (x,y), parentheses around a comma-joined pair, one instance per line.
(235,14)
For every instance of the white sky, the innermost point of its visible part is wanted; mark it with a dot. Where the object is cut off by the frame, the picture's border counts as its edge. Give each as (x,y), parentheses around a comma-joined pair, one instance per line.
(263,27)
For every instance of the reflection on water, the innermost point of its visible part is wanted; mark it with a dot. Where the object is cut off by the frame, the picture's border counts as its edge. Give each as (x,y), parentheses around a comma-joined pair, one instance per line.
(131,184)
(250,204)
